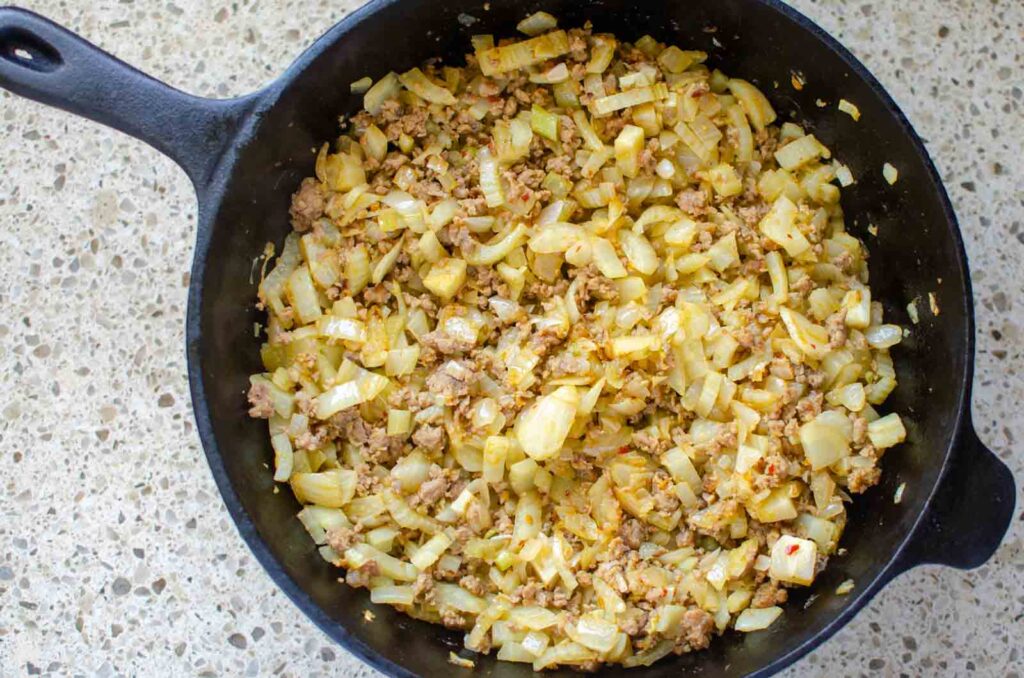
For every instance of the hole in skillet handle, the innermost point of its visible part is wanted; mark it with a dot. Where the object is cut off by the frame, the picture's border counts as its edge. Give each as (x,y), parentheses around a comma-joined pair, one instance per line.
(22,48)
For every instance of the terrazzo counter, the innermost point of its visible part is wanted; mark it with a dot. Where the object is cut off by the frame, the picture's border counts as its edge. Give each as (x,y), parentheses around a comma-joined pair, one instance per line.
(116,554)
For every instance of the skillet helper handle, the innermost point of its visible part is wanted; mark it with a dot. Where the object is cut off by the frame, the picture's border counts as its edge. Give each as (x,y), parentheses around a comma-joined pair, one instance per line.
(970,513)
(49,64)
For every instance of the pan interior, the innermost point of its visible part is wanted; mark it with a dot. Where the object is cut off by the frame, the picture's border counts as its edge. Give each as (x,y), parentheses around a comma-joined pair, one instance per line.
(916,251)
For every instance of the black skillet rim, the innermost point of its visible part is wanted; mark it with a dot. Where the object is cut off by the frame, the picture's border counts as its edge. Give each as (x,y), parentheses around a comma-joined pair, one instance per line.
(213,196)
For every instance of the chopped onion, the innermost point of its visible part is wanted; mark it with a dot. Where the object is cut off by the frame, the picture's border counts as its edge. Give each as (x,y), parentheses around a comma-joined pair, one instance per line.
(810,338)
(890,173)
(386,88)
(521,54)
(638,252)
(422,86)
(850,109)
(389,565)
(366,386)
(800,152)
(884,336)
(823,443)
(490,179)
(558,73)
(602,53)
(757,619)
(392,595)
(556,237)
(633,97)
(492,253)
(606,259)
(755,104)
(537,23)
(628,147)
(793,560)
(333,488)
(594,632)
(534,618)
(428,554)
(887,431)
(542,428)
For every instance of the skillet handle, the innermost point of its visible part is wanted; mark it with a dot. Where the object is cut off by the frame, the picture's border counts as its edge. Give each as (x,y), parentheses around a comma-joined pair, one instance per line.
(49,64)
(970,513)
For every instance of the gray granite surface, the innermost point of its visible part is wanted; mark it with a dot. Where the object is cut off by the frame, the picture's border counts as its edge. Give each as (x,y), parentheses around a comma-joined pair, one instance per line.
(116,554)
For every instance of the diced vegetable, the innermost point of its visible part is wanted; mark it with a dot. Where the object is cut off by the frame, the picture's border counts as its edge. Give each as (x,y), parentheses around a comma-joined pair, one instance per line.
(333,488)
(490,179)
(725,180)
(366,386)
(793,560)
(628,146)
(283,457)
(675,60)
(544,123)
(757,619)
(382,90)
(800,152)
(446,277)
(890,173)
(887,431)
(754,103)
(542,428)
(823,443)
(392,595)
(428,554)
(633,97)
(521,54)
(850,109)
(361,85)
(639,252)
(302,296)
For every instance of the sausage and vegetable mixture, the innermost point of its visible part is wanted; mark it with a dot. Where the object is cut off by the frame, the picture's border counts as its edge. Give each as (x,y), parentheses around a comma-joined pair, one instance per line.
(570,349)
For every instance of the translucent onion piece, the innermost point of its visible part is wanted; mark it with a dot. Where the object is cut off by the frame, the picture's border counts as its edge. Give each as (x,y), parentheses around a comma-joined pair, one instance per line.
(392,595)
(556,237)
(490,179)
(757,619)
(537,23)
(332,489)
(755,104)
(521,54)
(422,86)
(495,251)
(366,386)
(793,560)
(542,428)
(593,632)
(823,443)
(810,338)
(428,554)
(780,225)
(887,431)
(800,152)
(633,97)
(884,336)
(386,88)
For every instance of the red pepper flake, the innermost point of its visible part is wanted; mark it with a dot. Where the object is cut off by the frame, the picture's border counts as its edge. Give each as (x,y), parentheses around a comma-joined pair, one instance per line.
(771,469)
(792,548)
(624,449)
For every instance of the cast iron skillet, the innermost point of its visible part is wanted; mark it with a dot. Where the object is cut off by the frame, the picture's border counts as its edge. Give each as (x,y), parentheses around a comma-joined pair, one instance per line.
(245,156)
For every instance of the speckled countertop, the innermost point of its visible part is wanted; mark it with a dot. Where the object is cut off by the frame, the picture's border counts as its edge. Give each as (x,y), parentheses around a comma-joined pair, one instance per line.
(116,554)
